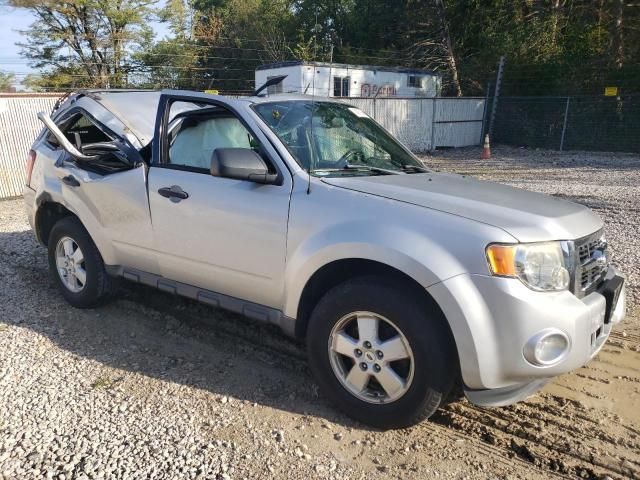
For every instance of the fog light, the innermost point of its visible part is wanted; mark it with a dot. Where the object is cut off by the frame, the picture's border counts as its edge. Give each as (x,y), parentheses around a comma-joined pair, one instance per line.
(547,347)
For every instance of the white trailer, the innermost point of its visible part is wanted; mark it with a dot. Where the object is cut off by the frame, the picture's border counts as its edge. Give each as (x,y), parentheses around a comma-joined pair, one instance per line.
(342,80)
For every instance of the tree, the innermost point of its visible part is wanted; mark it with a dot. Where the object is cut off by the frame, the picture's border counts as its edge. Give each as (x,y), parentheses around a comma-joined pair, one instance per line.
(248,33)
(89,40)
(215,44)
(6,81)
(174,62)
(327,19)
(304,49)
(551,46)
(447,45)
(619,34)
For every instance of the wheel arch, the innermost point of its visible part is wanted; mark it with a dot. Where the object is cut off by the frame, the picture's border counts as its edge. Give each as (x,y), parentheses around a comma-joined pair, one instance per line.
(51,208)
(338,271)
(48,214)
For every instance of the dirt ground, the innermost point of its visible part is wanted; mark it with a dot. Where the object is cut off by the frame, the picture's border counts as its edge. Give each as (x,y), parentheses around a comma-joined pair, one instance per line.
(154,386)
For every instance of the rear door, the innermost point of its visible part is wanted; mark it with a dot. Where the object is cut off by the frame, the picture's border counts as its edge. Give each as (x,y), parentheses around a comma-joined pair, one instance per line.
(109,193)
(220,234)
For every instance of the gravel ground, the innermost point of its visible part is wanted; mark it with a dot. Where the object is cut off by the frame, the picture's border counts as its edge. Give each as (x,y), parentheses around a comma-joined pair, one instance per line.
(153,386)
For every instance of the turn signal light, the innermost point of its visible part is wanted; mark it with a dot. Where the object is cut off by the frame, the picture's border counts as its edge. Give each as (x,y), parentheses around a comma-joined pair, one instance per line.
(501,259)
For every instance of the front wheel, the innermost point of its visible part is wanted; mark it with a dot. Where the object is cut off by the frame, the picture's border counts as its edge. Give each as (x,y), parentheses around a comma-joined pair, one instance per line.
(381,355)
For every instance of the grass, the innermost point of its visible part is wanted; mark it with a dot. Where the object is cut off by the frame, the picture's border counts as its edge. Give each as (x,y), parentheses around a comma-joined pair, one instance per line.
(103,382)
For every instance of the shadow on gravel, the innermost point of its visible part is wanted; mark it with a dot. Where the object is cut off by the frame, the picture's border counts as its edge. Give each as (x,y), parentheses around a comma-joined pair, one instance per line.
(169,338)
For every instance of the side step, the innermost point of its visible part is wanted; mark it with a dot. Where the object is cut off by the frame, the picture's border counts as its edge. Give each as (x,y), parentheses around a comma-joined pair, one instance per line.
(251,310)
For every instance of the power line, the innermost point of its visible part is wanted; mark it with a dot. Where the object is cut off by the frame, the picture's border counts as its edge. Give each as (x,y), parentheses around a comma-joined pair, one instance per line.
(395,58)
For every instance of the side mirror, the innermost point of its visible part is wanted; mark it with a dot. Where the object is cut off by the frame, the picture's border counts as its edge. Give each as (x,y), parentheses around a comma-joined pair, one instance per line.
(64,142)
(241,164)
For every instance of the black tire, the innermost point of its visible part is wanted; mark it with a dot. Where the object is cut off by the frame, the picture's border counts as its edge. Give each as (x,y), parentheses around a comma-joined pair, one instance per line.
(422,324)
(99,286)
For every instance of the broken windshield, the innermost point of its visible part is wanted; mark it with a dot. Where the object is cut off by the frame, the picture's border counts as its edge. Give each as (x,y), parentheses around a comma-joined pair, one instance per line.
(331,139)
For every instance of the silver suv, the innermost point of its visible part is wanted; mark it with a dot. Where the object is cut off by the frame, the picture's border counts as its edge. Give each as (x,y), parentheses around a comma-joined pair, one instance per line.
(408,285)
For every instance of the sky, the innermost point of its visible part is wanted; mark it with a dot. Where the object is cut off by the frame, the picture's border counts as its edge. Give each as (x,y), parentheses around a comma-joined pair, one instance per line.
(12,20)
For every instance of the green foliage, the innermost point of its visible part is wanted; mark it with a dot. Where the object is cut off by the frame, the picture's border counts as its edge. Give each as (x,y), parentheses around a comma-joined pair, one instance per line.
(60,80)
(304,49)
(551,46)
(6,81)
(87,41)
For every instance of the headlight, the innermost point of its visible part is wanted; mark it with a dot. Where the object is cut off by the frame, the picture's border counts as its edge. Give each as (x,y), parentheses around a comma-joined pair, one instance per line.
(540,266)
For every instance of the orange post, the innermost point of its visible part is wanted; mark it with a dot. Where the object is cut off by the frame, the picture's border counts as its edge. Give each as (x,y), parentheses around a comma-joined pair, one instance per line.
(486,150)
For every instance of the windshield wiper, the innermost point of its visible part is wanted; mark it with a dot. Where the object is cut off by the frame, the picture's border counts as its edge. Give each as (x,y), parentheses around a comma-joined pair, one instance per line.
(370,168)
(358,168)
(413,169)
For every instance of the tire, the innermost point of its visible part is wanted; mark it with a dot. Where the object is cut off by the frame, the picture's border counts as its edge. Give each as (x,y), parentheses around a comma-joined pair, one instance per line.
(98,286)
(425,332)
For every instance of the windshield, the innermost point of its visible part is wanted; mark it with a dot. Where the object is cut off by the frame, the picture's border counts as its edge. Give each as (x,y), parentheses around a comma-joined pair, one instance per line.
(334,139)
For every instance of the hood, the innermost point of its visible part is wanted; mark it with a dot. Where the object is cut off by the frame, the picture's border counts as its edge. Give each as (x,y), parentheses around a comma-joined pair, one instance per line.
(528,216)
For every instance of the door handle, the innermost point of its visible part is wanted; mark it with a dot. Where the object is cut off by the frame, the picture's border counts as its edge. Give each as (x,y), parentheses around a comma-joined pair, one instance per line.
(71,181)
(173,193)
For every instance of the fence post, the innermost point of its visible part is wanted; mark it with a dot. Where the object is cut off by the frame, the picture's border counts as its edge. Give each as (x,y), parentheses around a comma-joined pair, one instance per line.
(433,124)
(496,94)
(484,114)
(564,125)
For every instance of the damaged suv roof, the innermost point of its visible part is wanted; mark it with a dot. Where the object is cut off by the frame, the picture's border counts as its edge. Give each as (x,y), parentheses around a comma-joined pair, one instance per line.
(137,109)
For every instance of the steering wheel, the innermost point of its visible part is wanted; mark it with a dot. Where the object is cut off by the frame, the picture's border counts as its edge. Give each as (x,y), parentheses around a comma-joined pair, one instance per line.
(343,161)
(99,146)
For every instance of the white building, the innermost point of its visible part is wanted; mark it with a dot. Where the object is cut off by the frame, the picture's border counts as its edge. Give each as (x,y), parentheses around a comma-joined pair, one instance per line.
(342,80)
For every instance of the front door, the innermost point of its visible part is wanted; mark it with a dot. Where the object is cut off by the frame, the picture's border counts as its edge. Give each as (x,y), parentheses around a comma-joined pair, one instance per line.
(220,234)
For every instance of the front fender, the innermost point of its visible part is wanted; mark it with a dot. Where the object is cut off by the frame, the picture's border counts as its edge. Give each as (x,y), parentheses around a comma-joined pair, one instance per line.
(417,256)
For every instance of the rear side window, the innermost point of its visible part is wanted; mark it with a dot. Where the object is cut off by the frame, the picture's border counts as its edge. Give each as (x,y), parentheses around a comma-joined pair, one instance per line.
(91,140)
(79,130)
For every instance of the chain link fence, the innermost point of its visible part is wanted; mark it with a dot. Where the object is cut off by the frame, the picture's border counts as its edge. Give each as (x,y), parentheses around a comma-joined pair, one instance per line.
(555,107)
(596,123)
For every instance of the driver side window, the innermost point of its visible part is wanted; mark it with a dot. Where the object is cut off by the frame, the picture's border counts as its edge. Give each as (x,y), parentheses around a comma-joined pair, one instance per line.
(195,131)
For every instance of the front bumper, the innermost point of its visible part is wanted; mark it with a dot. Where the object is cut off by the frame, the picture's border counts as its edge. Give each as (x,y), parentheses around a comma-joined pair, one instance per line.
(493,318)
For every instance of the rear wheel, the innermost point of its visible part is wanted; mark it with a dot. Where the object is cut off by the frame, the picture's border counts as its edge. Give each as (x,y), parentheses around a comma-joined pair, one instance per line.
(76,266)
(379,353)
(70,264)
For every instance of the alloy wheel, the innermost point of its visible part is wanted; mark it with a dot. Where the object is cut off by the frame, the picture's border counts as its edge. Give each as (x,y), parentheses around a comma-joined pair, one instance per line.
(371,357)
(70,264)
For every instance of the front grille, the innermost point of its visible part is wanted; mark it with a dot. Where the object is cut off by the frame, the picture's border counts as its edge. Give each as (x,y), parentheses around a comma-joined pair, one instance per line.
(591,243)
(592,262)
